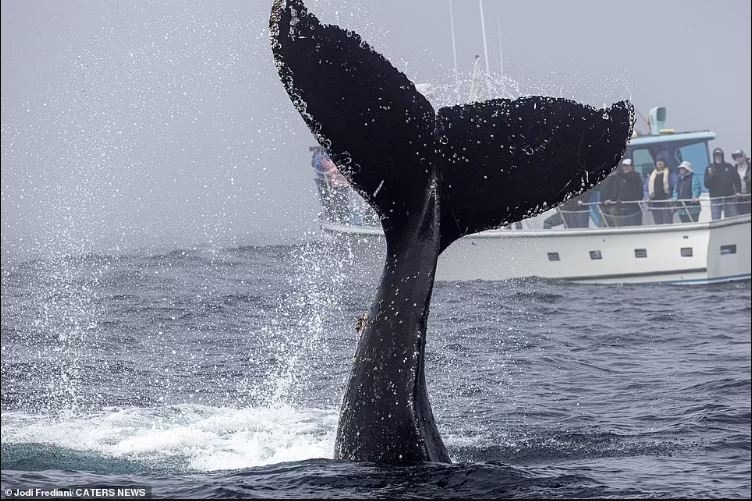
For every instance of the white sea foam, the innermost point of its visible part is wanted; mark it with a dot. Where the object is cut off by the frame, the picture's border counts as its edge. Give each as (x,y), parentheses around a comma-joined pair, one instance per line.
(209,438)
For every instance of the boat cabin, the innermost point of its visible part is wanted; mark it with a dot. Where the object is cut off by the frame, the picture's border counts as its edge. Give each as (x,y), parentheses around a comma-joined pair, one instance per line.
(670,146)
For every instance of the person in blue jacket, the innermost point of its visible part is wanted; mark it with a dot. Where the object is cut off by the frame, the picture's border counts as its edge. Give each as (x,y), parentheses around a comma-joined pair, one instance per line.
(687,193)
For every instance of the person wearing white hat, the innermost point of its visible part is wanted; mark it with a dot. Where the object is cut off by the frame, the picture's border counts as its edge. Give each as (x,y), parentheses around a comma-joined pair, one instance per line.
(687,193)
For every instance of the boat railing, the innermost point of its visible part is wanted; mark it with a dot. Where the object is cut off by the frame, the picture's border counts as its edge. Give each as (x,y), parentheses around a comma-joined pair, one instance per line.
(352,210)
(653,212)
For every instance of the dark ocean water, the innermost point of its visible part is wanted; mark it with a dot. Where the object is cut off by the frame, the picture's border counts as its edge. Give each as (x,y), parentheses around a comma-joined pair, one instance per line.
(205,373)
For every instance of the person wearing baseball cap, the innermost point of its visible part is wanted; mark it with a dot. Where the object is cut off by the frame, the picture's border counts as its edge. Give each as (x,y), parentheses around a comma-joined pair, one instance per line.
(630,194)
(621,194)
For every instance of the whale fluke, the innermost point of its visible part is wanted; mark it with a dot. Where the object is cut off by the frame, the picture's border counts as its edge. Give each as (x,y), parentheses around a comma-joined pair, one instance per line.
(432,177)
(504,160)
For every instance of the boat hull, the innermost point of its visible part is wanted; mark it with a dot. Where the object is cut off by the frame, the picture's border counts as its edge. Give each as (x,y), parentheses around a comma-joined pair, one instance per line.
(691,253)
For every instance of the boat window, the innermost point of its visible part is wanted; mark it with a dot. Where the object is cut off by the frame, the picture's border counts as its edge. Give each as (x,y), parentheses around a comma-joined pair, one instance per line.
(728,249)
(643,162)
(686,251)
(596,254)
(640,253)
(553,256)
(673,153)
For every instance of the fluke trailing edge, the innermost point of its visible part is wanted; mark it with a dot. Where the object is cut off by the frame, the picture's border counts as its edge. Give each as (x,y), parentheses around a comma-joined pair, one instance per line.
(432,177)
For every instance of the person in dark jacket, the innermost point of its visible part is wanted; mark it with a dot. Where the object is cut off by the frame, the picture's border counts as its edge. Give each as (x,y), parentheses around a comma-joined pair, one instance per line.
(659,191)
(621,196)
(609,207)
(574,213)
(743,171)
(687,193)
(723,184)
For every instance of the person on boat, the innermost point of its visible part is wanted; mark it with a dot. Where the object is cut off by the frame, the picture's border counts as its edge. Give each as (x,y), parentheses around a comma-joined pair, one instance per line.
(743,171)
(609,205)
(621,196)
(578,211)
(322,184)
(723,184)
(659,191)
(687,193)
(631,194)
(574,213)
(671,163)
(339,190)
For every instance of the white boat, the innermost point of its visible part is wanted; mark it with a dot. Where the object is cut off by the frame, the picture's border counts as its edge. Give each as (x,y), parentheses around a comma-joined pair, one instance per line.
(686,253)
(698,252)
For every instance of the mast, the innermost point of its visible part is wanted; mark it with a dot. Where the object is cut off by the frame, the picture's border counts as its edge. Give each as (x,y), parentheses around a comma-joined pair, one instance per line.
(485,39)
(501,46)
(454,52)
(502,82)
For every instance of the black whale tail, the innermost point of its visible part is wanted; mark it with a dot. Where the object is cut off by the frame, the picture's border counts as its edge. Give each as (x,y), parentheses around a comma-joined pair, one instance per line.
(496,161)
(432,177)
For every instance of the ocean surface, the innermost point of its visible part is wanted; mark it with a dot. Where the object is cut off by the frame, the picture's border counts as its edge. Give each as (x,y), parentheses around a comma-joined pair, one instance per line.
(217,373)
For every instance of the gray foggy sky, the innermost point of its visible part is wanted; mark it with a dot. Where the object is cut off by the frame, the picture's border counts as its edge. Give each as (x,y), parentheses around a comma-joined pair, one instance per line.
(163,124)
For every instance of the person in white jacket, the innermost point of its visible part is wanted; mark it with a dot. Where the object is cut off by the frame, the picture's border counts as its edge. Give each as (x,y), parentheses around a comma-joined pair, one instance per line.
(743,171)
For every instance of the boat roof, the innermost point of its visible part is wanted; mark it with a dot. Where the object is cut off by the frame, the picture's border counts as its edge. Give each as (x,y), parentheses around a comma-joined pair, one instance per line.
(704,135)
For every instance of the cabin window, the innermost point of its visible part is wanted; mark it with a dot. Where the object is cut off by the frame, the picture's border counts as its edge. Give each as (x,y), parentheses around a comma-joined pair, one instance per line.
(686,251)
(673,152)
(596,254)
(643,161)
(640,253)
(553,256)
(728,249)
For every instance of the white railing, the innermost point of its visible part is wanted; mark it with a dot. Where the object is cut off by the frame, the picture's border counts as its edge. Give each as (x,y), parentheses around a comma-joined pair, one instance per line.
(350,209)
(651,212)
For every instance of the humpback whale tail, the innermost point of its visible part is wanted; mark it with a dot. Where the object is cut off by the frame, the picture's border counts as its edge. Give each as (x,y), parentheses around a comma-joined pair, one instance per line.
(432,177)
